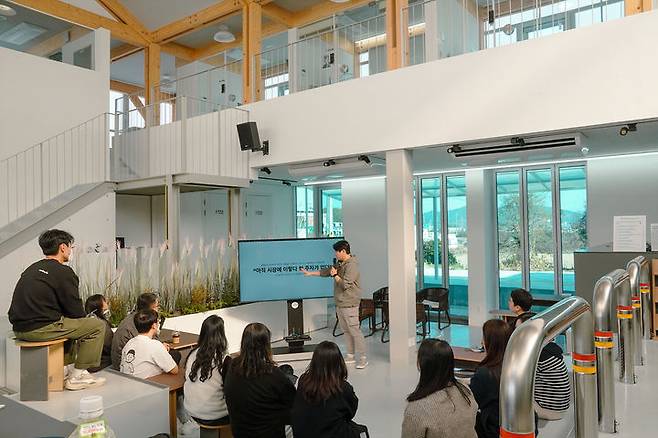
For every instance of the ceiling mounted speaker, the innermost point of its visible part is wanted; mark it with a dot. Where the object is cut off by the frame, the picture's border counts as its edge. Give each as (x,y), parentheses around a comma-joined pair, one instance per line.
(223,35)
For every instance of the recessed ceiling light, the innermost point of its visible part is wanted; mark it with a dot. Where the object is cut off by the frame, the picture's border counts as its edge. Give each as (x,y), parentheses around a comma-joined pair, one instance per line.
(223,35)
(7,11)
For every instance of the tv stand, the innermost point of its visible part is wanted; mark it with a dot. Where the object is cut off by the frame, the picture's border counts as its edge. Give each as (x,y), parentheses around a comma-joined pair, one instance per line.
(296,339)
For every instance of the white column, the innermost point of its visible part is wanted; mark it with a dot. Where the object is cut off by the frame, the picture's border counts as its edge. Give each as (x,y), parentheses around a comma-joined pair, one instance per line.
(482,284)
(294,68)
(172,203)
(401,255)
(431,10)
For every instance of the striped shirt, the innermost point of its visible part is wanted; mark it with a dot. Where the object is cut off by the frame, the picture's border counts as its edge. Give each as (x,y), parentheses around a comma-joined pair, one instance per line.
(552,384)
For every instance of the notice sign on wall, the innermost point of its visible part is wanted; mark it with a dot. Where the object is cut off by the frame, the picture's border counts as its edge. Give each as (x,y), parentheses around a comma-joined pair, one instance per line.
(630,234)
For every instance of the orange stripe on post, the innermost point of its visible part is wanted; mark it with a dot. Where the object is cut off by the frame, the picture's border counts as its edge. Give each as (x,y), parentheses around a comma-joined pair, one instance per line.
(624,308)
(603,334)
(584,357)
(507,434)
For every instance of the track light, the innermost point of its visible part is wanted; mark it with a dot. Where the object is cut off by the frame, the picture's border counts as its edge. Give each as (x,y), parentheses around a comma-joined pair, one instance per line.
(631,127)
(267,170)
(329,163)
(364,158)
(286,183)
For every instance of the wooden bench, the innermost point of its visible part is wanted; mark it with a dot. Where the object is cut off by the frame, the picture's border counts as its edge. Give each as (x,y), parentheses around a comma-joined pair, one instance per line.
(223,431)
(42,368)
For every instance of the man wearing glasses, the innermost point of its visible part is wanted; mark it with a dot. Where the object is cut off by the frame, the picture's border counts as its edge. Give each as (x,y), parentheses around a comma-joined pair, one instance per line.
(46,306)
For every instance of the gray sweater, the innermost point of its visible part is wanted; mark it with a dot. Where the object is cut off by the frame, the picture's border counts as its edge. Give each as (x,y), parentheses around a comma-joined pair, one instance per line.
(347,290)
(443,414)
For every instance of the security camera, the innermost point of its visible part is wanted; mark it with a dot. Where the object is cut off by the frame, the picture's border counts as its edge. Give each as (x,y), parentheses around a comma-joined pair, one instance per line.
(267,170)
(631,127)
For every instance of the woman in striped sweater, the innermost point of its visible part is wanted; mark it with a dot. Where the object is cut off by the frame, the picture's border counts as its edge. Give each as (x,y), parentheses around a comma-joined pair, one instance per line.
(552,383)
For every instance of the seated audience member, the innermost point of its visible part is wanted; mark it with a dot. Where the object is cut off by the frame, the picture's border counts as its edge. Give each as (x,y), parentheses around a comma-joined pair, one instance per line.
(46,306)
(126,329)
(520,302)
(325,402)
(552,382)
(485,383)
(440,406)
(206,365)
(96,307)
(258,394)
(290,372)
(143,356)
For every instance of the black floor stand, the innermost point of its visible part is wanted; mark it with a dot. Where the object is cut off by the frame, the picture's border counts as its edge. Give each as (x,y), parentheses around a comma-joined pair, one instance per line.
(296,339)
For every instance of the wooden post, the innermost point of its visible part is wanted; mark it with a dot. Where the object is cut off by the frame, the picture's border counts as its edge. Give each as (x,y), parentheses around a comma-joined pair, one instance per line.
(394,32)
(251,65)
(151,82)
(632,7)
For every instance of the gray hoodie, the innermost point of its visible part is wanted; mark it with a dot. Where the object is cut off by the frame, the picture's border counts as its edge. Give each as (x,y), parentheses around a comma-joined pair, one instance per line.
(347,290)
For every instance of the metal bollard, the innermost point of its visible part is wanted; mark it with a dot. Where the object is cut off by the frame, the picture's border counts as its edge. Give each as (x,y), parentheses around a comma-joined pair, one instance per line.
(617,285)
(634,269)
(521,357)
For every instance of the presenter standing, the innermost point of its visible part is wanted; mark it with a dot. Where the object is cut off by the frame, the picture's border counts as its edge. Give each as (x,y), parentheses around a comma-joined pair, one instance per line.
(347,294)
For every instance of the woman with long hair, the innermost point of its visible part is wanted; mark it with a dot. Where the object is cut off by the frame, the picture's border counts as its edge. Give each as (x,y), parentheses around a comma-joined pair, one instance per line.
(204,381)
(440,406)
(258,394)
(485,384)
(96,307)
(325,403)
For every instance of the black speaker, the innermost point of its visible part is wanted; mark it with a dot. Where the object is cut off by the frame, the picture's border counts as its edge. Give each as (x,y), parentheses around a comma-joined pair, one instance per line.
(248,134)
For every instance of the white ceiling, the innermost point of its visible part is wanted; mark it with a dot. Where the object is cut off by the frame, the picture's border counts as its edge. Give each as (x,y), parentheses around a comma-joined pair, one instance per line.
(297,5)
(157,13)
(93,6)
(203,36)
(52,25)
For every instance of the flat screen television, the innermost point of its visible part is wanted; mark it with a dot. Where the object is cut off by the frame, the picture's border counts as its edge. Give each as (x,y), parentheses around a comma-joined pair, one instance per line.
(270,269)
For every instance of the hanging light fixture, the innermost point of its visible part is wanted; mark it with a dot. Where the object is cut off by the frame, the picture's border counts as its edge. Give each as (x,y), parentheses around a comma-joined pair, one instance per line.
(223,35)
(7,11)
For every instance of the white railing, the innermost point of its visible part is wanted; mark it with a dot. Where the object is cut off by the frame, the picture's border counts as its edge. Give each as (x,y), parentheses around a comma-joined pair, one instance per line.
(438,29)
(30,178)
(337,55)
(179,135)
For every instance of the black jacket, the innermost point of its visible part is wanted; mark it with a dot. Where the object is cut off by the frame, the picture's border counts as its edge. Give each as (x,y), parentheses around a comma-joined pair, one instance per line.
(46,292)
(329,419)
(259,407)
(486,390)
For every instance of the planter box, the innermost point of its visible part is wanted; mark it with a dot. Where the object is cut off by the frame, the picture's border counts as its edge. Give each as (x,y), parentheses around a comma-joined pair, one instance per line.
(271,313)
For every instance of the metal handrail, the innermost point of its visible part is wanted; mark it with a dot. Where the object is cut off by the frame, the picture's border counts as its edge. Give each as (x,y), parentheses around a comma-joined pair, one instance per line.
(517,416)
(611,288)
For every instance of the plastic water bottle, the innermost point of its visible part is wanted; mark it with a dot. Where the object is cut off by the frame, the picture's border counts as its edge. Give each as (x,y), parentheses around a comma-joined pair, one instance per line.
(94,424)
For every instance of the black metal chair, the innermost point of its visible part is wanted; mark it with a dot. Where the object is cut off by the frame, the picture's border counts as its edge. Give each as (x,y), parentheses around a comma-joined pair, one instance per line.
(436,298)
(366,311)
(421,316)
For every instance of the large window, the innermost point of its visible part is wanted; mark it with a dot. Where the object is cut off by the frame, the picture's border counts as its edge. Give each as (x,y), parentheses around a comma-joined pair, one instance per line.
(541,219)
(325,220)
(443,253)
(276,86)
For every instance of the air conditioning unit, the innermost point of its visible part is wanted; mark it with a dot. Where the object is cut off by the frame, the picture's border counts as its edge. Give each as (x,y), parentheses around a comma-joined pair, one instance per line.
(338,167)
(518,147)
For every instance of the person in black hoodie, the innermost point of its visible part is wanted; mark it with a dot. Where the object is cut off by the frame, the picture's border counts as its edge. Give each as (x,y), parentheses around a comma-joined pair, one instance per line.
(485,383)
(46,306)
(325,403)
(258,394)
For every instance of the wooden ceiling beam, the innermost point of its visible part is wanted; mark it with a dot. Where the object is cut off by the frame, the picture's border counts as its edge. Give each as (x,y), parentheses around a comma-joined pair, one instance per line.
(180,51)
(122,14)
(278,14)
(324,10)
(195,21)
(84,18)
(123,51)
(124,87)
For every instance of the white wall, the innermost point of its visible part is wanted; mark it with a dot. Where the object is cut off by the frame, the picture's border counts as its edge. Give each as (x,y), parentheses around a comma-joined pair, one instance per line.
(269,212)
(617,187)
(134,219)
(569,80)
(42,98)
(364,221)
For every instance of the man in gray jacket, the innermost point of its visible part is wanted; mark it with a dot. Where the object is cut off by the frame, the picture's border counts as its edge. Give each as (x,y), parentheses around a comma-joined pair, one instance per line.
(127,330)
(347,294)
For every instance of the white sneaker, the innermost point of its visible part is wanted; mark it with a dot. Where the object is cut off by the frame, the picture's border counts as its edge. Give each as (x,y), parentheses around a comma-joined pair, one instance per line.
(363,362)
(188,428)
(349,359)
(84,381)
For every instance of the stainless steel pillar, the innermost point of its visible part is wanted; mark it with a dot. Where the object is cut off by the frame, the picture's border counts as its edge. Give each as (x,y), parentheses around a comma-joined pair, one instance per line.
(634,269)
(522,354)
(646,299)
(615,285)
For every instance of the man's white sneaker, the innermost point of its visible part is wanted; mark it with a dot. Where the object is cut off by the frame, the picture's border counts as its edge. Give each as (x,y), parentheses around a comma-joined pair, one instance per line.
(363,362)
(349,358)
(84,381)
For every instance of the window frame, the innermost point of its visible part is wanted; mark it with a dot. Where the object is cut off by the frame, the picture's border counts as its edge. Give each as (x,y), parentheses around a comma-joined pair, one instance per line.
(523,217)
